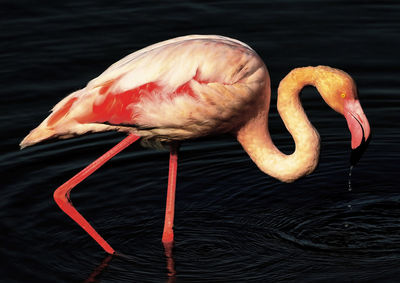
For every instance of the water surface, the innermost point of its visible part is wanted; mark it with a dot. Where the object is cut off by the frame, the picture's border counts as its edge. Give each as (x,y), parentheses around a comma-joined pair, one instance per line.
(233,223)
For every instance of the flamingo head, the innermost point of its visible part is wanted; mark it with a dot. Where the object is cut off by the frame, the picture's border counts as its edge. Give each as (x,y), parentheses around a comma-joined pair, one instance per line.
(339,91)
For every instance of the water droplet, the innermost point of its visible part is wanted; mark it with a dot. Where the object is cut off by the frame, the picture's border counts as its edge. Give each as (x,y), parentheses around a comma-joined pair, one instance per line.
(349,188)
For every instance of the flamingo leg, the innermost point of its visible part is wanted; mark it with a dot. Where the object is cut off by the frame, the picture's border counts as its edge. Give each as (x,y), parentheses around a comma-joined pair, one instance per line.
(62,193)
(168,234)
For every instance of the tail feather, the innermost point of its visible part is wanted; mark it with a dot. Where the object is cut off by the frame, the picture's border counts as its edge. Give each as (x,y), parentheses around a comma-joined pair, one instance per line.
(52,126)
(73,116)
(41,133)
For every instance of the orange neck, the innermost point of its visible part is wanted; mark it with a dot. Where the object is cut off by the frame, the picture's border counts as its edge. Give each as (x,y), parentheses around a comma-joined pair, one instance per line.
(257,142)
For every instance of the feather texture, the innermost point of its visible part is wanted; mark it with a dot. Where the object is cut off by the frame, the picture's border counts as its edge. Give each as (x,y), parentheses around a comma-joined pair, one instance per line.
(177,89)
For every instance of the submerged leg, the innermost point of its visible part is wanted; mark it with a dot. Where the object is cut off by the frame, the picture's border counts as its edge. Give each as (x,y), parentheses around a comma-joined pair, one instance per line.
(168,234)
(62,194)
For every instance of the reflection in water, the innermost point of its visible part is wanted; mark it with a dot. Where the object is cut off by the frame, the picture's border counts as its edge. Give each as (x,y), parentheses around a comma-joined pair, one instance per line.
(168,251)
(168,247)
(94,276)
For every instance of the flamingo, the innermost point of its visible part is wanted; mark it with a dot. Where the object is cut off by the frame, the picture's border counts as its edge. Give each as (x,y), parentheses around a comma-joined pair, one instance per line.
(190,87)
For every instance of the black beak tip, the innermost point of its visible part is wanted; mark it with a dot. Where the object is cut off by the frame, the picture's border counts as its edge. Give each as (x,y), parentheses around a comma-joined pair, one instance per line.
(358,152)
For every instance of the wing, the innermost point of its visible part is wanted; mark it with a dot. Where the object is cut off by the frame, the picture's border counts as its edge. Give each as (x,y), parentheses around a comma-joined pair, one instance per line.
(128,63)
(185,87)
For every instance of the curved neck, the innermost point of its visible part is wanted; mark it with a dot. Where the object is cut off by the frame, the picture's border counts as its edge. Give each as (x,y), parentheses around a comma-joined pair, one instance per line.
(256,140)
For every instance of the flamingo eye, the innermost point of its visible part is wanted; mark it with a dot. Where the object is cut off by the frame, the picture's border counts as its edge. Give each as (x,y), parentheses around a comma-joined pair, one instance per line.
(343,95)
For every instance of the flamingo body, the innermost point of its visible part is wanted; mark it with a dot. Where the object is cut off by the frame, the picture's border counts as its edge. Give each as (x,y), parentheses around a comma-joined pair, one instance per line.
(178,89)
(194,86)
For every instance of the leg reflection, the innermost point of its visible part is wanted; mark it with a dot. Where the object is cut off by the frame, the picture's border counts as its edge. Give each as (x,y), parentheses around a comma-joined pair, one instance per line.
(94,276)
(168,246)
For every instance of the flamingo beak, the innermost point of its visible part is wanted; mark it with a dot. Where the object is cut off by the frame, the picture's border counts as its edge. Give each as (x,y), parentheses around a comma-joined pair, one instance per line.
(359,128)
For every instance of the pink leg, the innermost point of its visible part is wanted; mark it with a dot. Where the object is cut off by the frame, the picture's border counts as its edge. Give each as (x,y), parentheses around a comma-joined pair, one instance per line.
(168,234)
(62,194)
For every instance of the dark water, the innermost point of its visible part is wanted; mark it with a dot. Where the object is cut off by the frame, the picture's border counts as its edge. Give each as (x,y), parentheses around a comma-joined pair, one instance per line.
(233,223)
